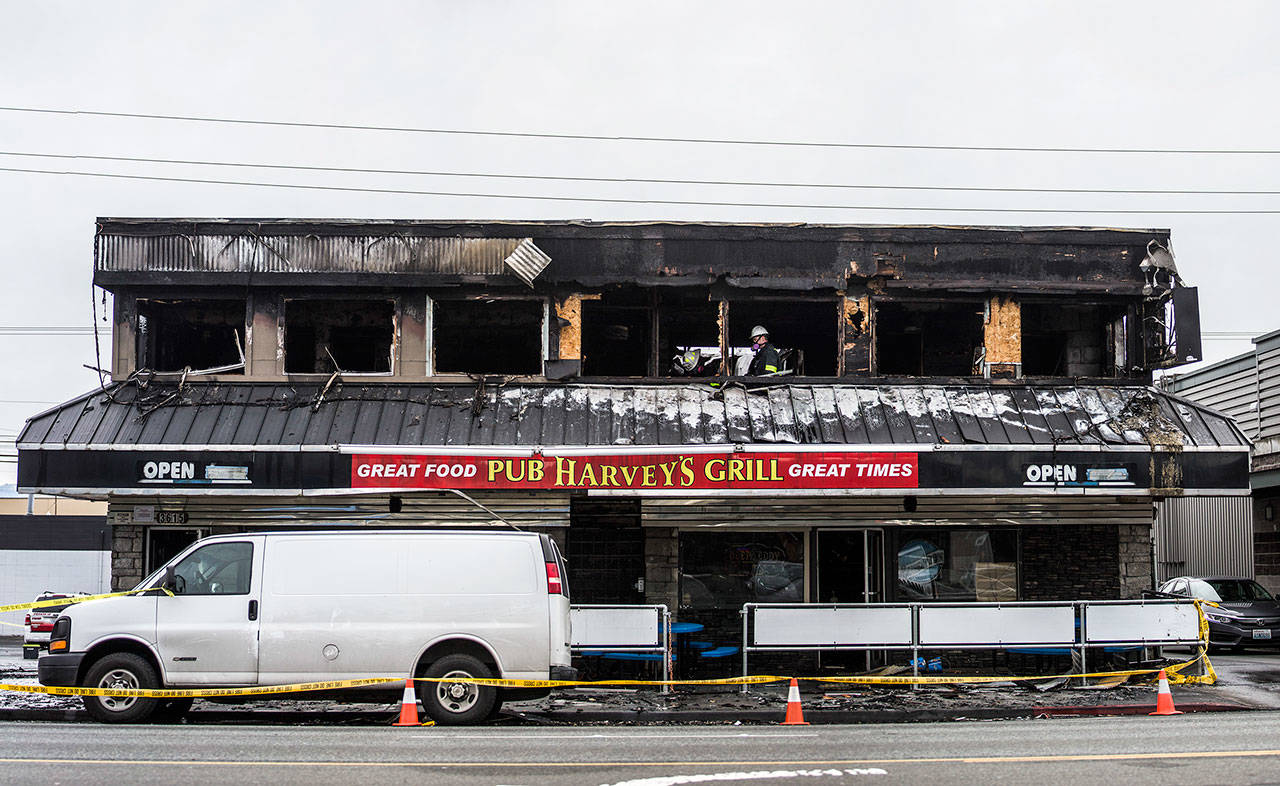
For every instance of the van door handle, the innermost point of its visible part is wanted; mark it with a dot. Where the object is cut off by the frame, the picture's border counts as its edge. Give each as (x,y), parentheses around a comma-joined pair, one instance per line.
(253,609)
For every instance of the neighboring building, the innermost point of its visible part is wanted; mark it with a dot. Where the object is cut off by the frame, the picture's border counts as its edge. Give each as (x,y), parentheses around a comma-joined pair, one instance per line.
(55,553)
(50,543)
(1247,389)
(969,413)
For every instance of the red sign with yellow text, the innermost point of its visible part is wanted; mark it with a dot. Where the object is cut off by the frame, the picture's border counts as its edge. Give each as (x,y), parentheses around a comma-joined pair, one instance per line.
(641,472)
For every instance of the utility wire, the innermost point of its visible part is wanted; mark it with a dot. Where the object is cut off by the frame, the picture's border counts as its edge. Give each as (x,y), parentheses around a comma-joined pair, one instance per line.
(630,138)
(608,200)
(647,180)
(45,330)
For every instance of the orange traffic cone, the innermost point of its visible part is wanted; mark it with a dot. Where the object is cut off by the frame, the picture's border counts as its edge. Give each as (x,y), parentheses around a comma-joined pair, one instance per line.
(795,716)
(1164,699)
(408,706)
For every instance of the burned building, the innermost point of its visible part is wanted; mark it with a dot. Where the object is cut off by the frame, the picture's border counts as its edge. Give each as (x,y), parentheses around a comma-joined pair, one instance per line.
(960,413)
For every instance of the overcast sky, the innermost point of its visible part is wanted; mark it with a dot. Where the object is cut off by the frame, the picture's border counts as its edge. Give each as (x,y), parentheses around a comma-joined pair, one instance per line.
(1150,75)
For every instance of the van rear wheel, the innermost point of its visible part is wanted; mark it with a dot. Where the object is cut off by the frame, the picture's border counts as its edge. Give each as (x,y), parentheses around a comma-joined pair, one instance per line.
(120,670)
(458,703)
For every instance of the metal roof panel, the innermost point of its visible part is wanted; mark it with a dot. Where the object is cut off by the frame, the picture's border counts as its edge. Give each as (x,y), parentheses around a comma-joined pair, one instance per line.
(211,414)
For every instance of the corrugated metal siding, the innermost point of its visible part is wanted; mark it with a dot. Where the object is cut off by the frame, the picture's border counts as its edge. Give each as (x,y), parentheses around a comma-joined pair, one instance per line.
(1204,536)
(875,511)
(249,253)
(523,510)
(1234,394)
(1268,392)
(392,414)
(526,261)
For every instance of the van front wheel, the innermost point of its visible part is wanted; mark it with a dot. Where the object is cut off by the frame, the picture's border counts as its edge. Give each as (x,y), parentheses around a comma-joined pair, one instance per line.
(458,703)
(120,670)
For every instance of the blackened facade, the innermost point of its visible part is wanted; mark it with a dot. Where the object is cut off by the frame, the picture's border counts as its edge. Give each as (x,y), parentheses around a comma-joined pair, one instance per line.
(963,413)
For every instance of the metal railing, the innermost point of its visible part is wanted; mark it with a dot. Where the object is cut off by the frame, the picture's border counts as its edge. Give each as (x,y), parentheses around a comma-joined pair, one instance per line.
(1074,626)
(622,628)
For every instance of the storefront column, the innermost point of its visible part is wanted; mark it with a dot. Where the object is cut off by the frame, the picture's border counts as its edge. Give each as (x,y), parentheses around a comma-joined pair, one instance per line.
(1134,554)
(662,566)
(126,556)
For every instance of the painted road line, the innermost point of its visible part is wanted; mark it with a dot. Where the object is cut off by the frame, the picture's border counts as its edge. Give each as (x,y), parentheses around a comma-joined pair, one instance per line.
(594,764)
(569,735)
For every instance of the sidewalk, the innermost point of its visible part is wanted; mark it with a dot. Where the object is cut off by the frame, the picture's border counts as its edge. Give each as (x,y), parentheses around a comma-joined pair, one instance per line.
(1245,682)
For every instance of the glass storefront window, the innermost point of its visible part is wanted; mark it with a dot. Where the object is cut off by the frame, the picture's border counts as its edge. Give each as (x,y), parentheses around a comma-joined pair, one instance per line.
(957,565)
(723,570)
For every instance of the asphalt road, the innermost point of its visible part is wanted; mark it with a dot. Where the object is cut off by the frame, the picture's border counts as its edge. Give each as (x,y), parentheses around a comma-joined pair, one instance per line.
(1239,748)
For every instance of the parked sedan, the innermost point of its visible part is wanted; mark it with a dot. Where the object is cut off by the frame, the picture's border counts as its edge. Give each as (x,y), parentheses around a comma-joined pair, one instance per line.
(40,624)
(1245,614)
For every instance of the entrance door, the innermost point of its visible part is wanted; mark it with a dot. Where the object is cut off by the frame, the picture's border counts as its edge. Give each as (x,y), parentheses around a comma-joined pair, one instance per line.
(207,633)
(850,570)
(850,566)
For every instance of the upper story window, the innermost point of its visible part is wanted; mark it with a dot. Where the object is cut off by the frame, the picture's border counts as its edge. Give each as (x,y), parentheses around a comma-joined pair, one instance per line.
(356,336)
(180,334)
(928,338)
(617,335)
(492,336)
(803,331)
(676,332)
(1067,339)
(688,322)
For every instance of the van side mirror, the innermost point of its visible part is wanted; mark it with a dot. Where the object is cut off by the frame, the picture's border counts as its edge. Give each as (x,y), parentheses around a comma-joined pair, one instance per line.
(170,580)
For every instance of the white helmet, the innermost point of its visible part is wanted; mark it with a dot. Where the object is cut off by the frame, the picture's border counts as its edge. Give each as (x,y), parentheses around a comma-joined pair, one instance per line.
(759,330)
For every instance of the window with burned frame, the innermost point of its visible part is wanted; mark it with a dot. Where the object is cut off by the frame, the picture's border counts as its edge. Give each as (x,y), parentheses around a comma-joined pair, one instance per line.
(322,336)
(488,336)
(191,334)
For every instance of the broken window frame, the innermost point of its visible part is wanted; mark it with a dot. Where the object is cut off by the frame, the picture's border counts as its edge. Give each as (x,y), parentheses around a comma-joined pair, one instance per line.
(979,305)
(1115,340)
(142,352)
(648,313)
(433,369)
(393,350)
(736,301)
(668,298)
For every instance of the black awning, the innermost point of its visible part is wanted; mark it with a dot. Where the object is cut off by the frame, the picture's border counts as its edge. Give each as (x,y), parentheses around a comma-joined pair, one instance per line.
(304,437)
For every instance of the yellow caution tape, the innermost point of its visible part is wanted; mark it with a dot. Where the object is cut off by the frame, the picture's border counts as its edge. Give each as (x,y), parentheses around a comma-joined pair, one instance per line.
(40,604)
(14,624)
(191,693)
(1174,673)
(177,693)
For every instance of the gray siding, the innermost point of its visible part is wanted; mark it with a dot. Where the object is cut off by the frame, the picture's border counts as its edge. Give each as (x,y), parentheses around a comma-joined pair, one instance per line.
(1268,391)
(1229,387)
(1204,536)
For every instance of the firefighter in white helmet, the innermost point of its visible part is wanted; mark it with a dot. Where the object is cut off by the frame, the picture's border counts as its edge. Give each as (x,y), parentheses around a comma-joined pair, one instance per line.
(766,360)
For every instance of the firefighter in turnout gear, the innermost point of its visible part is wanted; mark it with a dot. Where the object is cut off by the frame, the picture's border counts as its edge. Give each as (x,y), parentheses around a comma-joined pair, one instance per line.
(767,359)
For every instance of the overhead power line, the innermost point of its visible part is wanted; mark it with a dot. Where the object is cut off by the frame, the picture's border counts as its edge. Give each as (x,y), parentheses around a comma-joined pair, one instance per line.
(45,330)
(617,200)
(635,138)
(645,180)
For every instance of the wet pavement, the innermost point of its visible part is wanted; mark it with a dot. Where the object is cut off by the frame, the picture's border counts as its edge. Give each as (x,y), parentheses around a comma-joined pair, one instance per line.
(1249,680)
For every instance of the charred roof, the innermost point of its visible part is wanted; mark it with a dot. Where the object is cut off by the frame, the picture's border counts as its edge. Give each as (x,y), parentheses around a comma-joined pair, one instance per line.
(797,256)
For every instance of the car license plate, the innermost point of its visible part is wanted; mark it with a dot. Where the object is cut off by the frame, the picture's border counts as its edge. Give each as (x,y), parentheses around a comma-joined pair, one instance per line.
(1262,634)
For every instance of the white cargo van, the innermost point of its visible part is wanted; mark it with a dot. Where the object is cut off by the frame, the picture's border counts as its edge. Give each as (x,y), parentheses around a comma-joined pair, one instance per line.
(285,607)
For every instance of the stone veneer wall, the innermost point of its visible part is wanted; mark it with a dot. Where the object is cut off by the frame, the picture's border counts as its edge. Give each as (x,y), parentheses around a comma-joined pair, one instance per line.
(662,566)
(126,556)
(1085,562)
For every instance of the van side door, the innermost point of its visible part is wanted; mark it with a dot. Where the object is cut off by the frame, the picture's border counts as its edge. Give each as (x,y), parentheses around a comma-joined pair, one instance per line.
(207,633)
